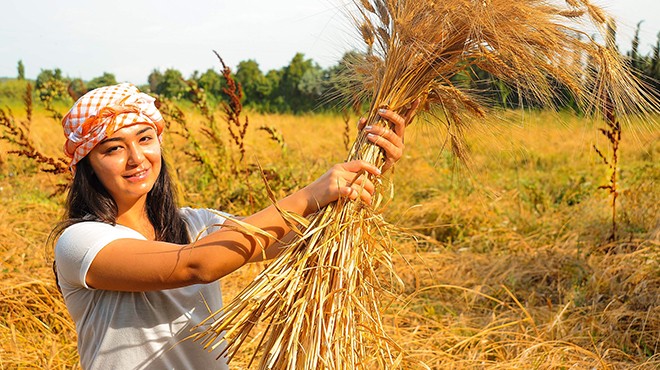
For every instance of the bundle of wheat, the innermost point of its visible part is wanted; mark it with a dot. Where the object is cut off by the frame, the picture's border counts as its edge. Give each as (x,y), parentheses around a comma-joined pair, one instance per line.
(321,297)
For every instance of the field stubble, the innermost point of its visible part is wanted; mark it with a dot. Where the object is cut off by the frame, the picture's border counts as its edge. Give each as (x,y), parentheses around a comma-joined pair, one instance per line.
(504,265)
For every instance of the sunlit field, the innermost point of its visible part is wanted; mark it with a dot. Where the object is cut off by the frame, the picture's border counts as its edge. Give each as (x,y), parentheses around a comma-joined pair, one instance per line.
(506,260)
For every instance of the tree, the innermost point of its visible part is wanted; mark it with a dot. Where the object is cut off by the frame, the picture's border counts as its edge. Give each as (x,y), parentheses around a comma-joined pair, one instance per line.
(655,61)
(275,101)
(154,79)
(104,80)
(76,88)
(299,84)
(212,83)
(338,89)
(21,70)
(656,54)
(51,84)
(256,87)
(172,84)
(311,83)
(634,51)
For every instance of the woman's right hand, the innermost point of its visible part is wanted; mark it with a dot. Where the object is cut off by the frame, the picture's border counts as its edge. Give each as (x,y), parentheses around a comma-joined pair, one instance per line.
(348,180)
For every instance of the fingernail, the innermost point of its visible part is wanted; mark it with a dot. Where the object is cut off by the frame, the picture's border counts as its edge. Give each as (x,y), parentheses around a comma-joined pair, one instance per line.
(368,128)
(371,136)
(381,110)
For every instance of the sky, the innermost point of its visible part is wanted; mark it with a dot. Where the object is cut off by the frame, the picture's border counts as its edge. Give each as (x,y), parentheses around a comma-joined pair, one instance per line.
(130,38)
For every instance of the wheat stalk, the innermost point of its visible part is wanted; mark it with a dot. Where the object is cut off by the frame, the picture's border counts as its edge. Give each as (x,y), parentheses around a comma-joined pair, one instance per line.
(321,299)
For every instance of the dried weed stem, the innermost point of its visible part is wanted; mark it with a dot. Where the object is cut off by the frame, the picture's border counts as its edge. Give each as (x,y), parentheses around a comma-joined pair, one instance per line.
(16,133)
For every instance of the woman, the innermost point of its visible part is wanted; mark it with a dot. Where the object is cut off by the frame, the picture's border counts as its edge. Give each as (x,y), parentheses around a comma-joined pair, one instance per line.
(136,271)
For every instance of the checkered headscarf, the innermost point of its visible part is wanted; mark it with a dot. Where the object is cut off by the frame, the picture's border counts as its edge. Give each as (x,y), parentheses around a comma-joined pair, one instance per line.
(101,112)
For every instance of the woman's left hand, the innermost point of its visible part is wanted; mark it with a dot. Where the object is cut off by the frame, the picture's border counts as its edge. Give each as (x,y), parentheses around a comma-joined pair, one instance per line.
(391,140)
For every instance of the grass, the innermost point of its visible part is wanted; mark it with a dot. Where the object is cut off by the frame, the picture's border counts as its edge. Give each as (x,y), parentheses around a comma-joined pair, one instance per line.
(510,266)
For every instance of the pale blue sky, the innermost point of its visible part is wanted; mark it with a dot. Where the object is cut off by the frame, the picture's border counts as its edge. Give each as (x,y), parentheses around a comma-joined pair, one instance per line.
(130,38)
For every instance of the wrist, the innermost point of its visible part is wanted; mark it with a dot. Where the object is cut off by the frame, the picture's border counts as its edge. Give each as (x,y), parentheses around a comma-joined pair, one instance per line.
(302,202)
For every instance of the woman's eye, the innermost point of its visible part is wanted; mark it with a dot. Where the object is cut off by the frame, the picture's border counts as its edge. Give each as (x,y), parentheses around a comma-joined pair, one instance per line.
(146,138)
(112,149)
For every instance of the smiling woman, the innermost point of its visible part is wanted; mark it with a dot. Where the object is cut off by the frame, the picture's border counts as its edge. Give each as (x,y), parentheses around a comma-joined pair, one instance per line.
(137,272)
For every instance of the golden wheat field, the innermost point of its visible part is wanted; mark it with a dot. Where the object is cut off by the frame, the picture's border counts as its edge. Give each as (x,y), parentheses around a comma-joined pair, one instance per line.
(504,261)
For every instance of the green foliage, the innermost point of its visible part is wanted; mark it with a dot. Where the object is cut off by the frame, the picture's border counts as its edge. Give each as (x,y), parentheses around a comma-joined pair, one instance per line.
(21,70)
(155,77)
(256,87)
(647,65)
(336,86)
(51,86)
(103,80)
(170,84)
(634,51)
(300,85)
(77,88)
(12,90)
(275,101)
(212,83)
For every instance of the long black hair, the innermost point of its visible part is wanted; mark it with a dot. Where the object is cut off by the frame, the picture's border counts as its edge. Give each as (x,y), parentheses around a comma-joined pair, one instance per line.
(88,200)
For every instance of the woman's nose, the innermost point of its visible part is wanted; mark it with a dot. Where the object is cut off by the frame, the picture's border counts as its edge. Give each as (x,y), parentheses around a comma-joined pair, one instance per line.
(135,154)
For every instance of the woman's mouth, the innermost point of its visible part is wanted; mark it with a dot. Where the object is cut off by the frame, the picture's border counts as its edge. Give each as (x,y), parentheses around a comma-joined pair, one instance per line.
(137,176)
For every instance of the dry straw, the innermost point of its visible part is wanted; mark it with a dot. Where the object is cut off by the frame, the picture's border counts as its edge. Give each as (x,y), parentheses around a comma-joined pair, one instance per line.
(320,301)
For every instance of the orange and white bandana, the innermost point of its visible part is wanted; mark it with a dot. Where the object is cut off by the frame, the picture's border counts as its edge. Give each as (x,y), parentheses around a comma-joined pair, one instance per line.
(101,112)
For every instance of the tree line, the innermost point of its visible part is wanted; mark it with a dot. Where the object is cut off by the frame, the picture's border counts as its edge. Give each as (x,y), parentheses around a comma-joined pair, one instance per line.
(302,85)
(648,65)
(299,87)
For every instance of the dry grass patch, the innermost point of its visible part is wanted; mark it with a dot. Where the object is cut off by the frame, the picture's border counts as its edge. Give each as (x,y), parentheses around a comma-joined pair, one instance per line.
(501,283)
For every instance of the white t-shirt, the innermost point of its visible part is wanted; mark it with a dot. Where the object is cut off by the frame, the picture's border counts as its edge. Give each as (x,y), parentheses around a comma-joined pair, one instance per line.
(135,330)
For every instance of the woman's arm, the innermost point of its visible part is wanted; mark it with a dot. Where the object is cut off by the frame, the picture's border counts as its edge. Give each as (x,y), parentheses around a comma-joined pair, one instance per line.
(141,265)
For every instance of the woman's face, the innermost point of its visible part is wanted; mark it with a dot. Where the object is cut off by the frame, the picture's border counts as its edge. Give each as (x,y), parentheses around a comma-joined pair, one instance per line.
(128,162)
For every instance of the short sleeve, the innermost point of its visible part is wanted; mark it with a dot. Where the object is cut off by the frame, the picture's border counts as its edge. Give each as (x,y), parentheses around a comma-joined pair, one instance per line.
(203,221)
(79,244)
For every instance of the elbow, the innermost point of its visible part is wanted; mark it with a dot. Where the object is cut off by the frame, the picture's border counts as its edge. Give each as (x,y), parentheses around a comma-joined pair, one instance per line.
(209,271)
(212,262)
(196,267)
(200,274)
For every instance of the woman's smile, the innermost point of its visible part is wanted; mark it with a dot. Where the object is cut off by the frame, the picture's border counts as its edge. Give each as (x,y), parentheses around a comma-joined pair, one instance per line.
(138,176)
(128,162)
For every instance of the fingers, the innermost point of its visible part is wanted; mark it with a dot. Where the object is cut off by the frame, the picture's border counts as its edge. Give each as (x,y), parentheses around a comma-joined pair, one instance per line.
(363,190)
(384,137)
(356,184)
(345,180)
(356,166)
(397,121)
(361,123)
(389,141)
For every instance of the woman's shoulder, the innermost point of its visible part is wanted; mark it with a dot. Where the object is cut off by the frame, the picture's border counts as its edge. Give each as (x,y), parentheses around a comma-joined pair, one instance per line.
(80,242)
(88,226)
(88,229)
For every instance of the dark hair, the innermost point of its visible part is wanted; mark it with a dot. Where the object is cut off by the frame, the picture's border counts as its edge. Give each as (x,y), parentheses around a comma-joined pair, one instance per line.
(88,200)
